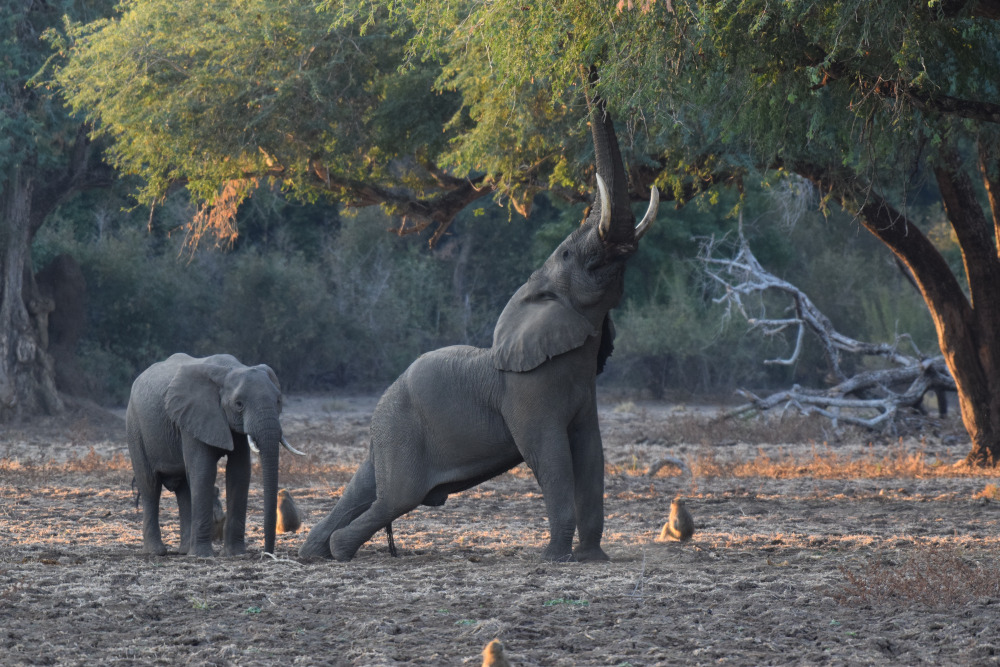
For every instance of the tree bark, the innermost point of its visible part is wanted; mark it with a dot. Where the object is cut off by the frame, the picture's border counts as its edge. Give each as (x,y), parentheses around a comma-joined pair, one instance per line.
(27,377)
(967,329)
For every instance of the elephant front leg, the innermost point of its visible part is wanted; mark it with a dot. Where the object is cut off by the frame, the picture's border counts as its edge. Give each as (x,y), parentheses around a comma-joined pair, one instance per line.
(237,490)
(183,493)
(548,457)
(588,475)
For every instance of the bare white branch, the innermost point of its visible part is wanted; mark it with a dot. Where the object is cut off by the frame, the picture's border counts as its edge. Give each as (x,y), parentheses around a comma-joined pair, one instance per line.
(870,398)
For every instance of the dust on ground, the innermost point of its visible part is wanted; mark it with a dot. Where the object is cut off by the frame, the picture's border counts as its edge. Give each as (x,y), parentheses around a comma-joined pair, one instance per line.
(790,567)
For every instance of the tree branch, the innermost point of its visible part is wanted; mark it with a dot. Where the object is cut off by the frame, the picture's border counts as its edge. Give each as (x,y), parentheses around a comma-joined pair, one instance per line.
(416,213)
(84,171)
(989,166)
(948,303)
(982,267)
(868,395)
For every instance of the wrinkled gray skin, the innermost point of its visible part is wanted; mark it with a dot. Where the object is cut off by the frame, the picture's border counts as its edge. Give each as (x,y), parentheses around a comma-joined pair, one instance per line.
(183,415)
(461,415)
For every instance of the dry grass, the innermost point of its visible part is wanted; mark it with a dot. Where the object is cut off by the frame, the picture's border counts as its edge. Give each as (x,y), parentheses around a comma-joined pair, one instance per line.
(825,462)
(822,462)
(701,429)
(91,463)
(795,566)
(989,492)
(693,426)
(934,577)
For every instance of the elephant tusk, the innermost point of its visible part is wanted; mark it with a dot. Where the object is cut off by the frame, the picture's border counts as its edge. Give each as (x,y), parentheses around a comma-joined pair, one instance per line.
(605,224)
(285,444)
(654,204)
(253,445)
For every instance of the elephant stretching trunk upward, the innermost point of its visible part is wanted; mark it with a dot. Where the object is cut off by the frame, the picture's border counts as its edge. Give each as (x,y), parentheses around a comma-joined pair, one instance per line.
(461,415)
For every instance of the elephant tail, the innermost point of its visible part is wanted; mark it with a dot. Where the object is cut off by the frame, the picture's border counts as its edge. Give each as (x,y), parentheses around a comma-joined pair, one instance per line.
(392,542)
(138,494)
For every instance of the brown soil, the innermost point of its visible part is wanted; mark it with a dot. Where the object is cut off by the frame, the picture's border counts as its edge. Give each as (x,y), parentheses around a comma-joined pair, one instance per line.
(805,553)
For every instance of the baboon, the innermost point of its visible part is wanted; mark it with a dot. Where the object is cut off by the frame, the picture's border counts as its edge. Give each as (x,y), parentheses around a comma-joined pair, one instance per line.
(493,655)
(288,513)
(680,525)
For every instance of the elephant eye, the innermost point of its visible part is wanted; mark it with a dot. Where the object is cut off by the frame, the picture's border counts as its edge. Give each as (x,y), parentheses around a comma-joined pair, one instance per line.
(565,254)
(239,405)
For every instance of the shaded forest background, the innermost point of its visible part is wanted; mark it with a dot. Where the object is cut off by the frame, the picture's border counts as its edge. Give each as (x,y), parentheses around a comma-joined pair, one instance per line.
(331,299)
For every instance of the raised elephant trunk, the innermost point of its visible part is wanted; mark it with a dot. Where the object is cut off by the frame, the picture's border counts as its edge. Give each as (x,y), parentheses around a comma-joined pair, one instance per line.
(620,226)
(613,213)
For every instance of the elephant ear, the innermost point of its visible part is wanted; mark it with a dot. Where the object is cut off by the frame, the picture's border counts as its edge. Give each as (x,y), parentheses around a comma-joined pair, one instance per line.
(536,326)
(193,404)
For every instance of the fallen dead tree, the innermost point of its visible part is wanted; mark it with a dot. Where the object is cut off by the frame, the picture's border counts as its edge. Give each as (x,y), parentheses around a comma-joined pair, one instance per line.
(870,398)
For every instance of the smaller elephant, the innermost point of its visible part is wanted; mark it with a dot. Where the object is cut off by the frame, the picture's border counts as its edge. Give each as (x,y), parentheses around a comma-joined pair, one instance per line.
(183,415)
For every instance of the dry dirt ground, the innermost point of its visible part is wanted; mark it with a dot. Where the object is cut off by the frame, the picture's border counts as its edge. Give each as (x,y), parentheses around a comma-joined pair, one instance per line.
(807,552)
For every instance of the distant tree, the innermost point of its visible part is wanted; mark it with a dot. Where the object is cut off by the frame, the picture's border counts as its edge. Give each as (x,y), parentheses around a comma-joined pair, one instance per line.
(45,157)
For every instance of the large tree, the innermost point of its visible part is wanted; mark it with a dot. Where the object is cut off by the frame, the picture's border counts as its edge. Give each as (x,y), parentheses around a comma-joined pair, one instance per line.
(45,156)
(428,106)
(879,103)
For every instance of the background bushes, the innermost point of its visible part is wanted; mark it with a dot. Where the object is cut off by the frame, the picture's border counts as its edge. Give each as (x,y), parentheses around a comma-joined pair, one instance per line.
(330,299)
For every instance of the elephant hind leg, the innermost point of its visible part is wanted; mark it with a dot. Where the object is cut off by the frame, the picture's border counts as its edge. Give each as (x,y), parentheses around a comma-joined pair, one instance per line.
(152,542)
(358,497)
(148,490)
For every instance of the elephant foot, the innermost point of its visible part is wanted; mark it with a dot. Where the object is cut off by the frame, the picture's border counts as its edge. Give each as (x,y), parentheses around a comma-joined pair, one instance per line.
(202,551)
(235,549)
(342,553)
(155,548)
(590,554)
(558,555)
(315,549)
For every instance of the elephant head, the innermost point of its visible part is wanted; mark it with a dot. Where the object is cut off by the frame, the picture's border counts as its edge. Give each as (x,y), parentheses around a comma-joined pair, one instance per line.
(221,403)
(567,300)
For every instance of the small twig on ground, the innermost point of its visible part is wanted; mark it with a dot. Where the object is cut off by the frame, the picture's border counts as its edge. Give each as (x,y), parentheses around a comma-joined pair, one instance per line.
(865,399)
(280,560)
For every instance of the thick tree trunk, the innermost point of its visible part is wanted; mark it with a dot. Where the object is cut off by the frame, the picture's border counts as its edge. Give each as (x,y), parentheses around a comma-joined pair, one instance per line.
(970,345)
(27,378)
(968,329)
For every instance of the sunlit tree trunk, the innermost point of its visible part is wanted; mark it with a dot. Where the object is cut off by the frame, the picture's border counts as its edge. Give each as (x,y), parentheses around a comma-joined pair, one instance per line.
(968,325)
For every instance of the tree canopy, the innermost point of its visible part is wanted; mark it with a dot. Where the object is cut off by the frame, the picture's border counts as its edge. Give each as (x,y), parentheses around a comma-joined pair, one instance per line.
(427,106)
(217,96)
(398,102)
